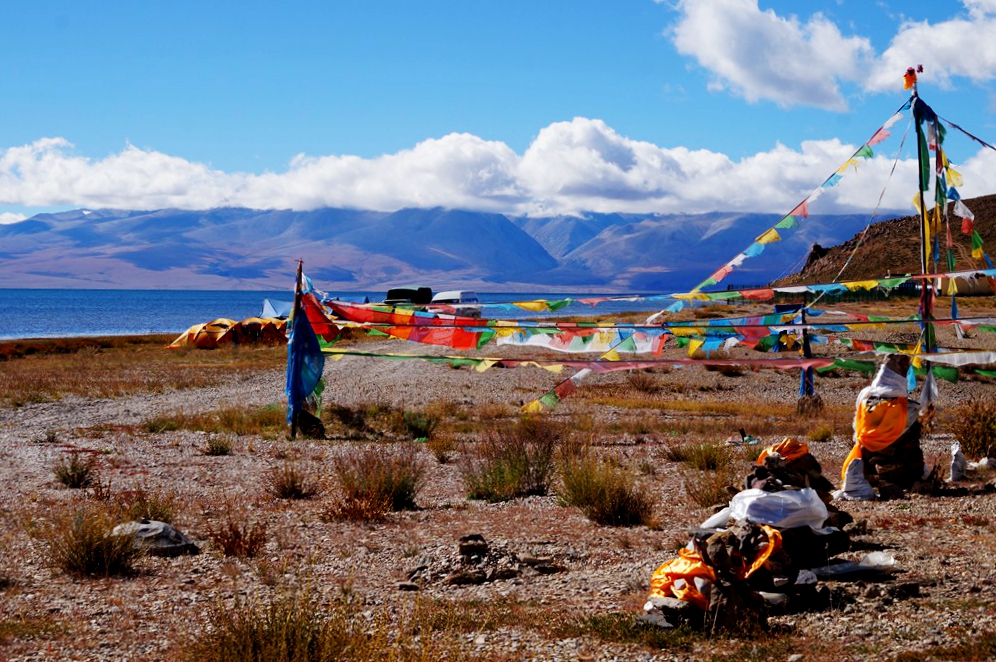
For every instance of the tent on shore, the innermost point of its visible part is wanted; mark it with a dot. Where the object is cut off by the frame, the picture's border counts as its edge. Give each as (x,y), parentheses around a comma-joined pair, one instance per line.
(223,331)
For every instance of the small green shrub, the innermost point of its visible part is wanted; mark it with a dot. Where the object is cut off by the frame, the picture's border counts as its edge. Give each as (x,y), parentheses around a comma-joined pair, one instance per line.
(159,424)
(513,461)
(974,427)
(605,492)
(240,540)
(80,543)
(76,472)
(372,477)
(704,457)
(419,425)
(821,435)
(290,482)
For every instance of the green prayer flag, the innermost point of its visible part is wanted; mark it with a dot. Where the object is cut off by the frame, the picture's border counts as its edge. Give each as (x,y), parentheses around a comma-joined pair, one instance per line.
(924,161)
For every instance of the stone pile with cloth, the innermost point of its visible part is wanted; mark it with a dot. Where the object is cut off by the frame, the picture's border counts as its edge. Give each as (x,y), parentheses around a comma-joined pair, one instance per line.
(887,428)
(754,555)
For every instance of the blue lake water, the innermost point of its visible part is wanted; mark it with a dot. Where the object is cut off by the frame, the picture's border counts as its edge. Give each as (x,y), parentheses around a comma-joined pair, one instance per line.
(68,313)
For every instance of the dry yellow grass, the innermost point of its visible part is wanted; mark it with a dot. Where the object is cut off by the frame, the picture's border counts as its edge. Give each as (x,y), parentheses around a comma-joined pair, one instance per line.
(40,371)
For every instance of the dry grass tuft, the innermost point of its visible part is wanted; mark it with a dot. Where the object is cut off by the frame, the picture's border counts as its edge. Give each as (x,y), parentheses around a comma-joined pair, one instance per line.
(158,505)
(443,447)
(605,492)
(644,382)
(373,481)
(218,445)
(704,457)
(300,627)
(77,472)
(710,488)
(821,434)
(269,421)
(241,540)
(809,406)
(419,425)
(80,543)
(974,426)
(290,482)
(513,461)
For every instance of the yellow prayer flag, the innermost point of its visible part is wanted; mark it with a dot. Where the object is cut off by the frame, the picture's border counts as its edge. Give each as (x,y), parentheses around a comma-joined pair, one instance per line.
(683,330)
(694,345)
(534,306)
(861,285)
(769,237)
(533,407)
(849,162)
(954,177)
(484,365)
(917,361)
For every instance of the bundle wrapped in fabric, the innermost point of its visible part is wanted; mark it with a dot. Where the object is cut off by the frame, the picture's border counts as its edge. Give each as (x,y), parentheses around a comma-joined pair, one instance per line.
(887,430)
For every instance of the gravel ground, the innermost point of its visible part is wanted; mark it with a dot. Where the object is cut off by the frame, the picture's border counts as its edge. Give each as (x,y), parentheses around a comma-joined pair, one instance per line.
(944,545)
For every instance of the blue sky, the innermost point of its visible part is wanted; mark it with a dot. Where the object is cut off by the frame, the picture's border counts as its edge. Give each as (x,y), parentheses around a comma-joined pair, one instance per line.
(515,106)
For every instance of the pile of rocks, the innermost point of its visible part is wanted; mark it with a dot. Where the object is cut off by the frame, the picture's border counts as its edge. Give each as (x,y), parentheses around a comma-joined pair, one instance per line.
(477,562)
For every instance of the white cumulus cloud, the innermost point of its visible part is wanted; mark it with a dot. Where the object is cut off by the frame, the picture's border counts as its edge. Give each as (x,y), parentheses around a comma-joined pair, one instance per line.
(570,168)
(759,55)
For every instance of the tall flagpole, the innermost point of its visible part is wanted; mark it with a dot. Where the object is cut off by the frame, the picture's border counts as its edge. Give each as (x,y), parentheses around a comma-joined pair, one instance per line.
(926,287)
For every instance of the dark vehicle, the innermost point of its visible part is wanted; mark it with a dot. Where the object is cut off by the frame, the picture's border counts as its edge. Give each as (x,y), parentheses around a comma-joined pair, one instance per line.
(416,296)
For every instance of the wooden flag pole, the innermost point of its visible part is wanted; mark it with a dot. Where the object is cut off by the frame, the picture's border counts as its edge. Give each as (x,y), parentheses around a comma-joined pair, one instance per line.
(294,314)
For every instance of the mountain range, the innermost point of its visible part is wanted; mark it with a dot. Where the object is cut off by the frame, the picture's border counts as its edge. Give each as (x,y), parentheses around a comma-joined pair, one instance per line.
(343,249)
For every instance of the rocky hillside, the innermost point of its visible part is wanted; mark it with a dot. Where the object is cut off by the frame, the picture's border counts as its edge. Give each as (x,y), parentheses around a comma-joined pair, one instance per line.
(893,247)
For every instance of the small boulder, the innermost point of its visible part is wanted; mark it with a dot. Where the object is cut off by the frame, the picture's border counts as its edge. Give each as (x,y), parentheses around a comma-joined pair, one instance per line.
(157,538)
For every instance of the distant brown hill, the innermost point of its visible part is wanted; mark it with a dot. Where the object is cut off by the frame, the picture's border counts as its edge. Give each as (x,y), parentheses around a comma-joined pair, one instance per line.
(893,247)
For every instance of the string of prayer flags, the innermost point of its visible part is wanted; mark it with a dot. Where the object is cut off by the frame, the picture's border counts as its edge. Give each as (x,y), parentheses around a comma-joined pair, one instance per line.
(801,211)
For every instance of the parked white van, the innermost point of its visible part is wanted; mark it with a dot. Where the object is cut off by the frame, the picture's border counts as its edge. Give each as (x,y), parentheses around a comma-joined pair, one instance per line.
(456,302)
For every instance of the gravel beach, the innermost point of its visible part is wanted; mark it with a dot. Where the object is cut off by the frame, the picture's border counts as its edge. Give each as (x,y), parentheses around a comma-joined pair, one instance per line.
(943,545)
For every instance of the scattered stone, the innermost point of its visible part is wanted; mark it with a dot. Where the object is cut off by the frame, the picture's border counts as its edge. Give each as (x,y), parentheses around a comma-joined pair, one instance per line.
(472,545)
(465,578)
(157,538)
(671,612)
(905,591)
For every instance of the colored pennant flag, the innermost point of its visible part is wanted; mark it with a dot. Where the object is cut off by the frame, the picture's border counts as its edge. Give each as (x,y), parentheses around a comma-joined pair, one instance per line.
(754,250)
(787,223)
(769,237)
(802,210)
(879,136)
(865,152)
(976,245)
(832,181)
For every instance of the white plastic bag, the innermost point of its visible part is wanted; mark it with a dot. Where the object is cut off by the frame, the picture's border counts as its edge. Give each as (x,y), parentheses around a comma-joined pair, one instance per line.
(856,487)
(785,510)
